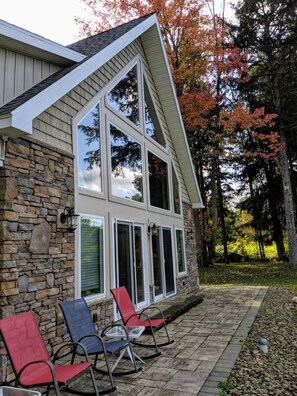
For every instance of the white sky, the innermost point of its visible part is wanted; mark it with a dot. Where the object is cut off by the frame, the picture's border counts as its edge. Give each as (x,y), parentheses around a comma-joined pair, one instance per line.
(52,19)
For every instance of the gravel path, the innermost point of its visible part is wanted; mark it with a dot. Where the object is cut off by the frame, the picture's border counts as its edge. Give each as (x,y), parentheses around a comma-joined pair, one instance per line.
(274,373)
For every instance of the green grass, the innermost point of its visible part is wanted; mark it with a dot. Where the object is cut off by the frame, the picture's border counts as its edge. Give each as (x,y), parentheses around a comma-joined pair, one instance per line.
(250,274)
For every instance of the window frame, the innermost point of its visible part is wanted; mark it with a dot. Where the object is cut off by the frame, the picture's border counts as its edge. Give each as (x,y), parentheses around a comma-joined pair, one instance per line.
(173,169)
(112,120)
(184,272)
(98,99)
(136,61)
(148,137)
(167,161)
(97,296)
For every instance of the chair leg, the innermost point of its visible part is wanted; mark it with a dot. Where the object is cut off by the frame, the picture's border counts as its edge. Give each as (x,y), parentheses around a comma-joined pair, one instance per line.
(113,386)
(94,381)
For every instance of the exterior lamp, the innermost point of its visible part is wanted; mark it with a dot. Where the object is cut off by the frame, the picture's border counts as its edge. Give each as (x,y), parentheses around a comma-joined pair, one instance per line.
(69,218)
(152,229)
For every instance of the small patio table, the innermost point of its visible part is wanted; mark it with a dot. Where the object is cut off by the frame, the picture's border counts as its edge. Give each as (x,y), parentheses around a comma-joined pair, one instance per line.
(133,333)
(11,391)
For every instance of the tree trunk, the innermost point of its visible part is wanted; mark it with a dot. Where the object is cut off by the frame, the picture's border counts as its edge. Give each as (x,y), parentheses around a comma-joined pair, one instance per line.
(277,227)
(213,217)
(288,200)
(256,216)
(222,217)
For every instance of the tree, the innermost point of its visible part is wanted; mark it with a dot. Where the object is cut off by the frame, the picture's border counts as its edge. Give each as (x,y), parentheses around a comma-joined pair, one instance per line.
(207,68)
(268,29)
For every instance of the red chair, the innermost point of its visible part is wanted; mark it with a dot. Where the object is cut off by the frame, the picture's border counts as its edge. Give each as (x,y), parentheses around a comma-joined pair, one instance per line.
(131,318)
(30,359)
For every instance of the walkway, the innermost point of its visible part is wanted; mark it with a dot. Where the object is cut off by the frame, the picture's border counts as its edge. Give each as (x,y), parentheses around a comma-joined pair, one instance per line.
(208,338)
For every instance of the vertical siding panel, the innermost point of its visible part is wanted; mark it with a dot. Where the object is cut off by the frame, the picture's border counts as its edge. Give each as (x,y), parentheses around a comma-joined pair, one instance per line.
(45,70)
(2,74)
(20,75)
(29,75)
(9,75)
(37,76)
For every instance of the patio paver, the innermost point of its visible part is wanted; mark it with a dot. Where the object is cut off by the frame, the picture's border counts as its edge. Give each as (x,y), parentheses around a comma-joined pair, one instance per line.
(208,338)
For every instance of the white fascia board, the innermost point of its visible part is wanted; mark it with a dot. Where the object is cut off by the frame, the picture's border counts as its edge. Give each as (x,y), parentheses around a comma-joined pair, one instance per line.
(182,128)
(9,130)
(25,113)
(24,37)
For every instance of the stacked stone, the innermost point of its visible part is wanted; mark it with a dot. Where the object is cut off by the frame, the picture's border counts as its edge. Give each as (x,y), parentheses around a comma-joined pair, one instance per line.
(37,259)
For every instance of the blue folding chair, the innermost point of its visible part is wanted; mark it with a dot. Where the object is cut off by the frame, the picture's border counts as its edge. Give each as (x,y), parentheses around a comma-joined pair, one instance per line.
(82,329)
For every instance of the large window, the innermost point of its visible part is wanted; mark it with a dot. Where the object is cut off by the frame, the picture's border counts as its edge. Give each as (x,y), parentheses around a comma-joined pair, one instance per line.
(126,166)
(158,181)
(92,256)
(89,151)
(176,197)
(152,125)
(124,96)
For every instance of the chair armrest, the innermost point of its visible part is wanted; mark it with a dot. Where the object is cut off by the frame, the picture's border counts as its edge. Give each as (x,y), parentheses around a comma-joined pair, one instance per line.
(151,309)
(74,346)
(46,362)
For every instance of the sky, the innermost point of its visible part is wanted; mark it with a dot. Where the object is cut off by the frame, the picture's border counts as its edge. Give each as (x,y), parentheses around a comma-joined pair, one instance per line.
(52,19)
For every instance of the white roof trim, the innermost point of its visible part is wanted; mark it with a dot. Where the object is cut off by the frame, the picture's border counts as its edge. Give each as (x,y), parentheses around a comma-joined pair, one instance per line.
(186,146)
(18,38)
(25,113)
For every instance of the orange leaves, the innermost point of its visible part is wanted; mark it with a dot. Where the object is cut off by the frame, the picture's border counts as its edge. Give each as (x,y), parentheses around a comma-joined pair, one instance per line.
(268,142)
(269,145)
(195,108)
(241,118)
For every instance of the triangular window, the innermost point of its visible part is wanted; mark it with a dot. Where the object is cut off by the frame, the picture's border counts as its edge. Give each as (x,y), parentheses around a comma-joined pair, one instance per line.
(124,96)
(152,125)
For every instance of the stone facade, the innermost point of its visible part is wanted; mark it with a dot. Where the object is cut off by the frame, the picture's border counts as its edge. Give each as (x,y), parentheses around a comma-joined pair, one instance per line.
(37,258)
(190,282)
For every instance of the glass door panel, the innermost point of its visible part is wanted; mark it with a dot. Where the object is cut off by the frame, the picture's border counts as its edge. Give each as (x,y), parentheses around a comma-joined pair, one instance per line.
(138,244)
(124,257)
(164,280)
(157,263)
(130,271)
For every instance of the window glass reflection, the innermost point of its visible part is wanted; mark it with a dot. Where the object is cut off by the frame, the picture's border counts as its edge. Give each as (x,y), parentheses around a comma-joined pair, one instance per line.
(158,180)
(92,259)
(176,199)
(180,251)
(124,96)
(126,164)
(152,125)
(89,151)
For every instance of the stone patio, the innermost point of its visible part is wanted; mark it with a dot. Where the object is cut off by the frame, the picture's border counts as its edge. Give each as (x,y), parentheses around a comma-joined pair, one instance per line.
(208,338)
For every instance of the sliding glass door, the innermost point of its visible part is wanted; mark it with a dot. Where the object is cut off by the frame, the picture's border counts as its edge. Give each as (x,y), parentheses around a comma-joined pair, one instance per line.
(164,279)
(130,269)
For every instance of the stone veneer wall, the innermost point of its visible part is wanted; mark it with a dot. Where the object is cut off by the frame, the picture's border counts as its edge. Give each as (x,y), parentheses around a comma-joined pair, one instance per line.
(190,282)
(36,257)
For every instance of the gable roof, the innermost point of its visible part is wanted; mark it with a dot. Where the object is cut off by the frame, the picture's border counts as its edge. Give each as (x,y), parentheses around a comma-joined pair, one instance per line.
(16,117)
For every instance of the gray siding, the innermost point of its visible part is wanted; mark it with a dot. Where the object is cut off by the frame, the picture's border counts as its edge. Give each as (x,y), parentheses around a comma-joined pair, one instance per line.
(18,73)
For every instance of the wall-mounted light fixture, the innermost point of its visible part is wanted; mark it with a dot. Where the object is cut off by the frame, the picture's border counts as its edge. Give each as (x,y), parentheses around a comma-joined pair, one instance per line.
(152,229)
(69,218)
(190,233)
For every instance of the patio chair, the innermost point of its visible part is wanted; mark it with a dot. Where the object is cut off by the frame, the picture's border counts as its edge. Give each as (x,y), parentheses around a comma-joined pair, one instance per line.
(131,318)
(30,359)
(82,329)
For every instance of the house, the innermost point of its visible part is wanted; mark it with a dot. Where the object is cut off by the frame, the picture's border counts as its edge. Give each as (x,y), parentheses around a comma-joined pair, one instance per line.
(92,133)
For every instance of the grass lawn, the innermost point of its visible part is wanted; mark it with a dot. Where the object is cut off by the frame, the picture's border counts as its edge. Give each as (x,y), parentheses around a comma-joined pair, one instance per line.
(249,274)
